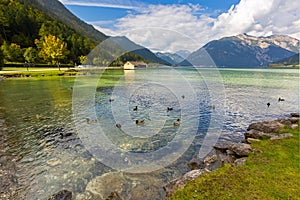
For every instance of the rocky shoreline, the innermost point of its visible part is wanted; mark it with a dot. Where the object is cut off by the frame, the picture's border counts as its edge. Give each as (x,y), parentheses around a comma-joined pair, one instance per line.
(226,152)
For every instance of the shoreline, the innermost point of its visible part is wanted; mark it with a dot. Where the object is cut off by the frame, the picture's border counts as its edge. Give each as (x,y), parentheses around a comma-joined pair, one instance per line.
(232,153)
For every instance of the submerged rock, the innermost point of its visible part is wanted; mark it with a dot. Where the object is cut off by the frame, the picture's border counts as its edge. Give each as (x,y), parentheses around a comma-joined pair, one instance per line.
(295,115)
(181,182)
(127,186)
(114,196)
(62,195)
(53,162)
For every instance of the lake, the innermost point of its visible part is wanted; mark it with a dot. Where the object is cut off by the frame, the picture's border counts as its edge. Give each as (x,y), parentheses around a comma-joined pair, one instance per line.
(61,132)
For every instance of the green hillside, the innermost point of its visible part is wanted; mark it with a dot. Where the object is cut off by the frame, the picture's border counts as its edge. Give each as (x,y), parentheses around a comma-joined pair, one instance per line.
(28,34)
(45,32)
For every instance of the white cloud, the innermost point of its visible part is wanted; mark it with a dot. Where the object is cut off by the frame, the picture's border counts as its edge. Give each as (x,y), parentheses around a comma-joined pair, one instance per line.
(175,27)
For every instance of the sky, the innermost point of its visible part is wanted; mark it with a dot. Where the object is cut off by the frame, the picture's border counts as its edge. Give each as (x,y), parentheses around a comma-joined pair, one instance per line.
(173,25)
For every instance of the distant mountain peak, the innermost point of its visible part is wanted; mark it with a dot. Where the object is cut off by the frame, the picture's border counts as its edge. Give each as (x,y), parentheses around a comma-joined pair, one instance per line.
(283,41)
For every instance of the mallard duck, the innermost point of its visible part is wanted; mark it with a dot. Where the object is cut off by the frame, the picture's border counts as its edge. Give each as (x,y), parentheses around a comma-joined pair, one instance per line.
(177,122)
(135,108)
(138,122)
(90,121)
(281,99)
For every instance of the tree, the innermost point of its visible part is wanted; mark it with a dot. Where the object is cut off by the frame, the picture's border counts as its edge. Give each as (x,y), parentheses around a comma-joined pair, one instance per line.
(30,55)
(12,52)
(52,49)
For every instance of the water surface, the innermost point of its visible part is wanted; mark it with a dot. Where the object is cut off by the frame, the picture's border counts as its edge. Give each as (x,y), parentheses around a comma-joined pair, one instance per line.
(40,129)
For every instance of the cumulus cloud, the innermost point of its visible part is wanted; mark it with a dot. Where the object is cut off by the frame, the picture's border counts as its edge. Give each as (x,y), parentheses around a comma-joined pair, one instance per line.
(171,28)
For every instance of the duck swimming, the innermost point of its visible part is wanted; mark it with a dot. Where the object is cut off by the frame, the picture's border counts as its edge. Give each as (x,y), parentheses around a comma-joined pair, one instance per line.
(90,121)
(169,108)
(135,108)
(138,122)
(177,122)
(281,99)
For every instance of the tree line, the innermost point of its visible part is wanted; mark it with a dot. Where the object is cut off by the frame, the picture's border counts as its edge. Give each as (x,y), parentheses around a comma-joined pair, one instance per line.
(28,35)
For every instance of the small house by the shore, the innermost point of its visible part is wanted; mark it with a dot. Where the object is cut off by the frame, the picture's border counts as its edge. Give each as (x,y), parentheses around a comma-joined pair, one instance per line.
(134,65)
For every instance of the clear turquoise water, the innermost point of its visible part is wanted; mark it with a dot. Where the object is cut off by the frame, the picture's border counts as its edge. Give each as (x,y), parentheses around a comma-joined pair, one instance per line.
(39,115)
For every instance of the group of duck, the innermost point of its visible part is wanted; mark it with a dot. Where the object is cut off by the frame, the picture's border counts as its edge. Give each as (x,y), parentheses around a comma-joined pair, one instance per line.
(279,100)
(138,121)
(142,121)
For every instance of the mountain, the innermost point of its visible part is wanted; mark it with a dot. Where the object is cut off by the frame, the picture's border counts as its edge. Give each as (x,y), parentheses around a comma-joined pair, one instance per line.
(26,24)
(292,60)
(172,58)
(183,53)
(58,11)
(143,52)
(244,51)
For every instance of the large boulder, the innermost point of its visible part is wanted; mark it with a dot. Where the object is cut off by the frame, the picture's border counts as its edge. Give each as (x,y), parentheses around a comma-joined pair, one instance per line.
(241,149)
(223,145)
(266,127)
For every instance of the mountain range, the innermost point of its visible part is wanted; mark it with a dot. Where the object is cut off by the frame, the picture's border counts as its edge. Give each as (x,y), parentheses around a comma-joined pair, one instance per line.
(236,51)
(244,51)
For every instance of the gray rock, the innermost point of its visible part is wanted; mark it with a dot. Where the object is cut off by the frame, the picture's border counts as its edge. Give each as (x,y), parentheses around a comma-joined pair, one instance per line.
(241,149)
(286,122)
(294,126)
(240,161)
(281,136)
(294,120)
(210,159)
(176,184)
(62,195)
(223,145)
(251,140)
(266,127)
(257,134)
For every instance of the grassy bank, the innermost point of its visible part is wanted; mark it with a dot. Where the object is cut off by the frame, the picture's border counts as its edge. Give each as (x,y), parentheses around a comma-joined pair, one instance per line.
(272,174)
(16,72)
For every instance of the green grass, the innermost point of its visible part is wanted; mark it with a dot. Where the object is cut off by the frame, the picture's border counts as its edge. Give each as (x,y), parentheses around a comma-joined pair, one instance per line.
(272,174)
(12,72)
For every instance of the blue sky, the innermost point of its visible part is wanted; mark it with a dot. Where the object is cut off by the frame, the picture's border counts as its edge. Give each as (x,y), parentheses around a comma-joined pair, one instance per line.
(173,25)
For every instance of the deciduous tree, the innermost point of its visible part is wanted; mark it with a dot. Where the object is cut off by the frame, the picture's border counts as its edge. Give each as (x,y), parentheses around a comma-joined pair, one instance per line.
(52,49)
